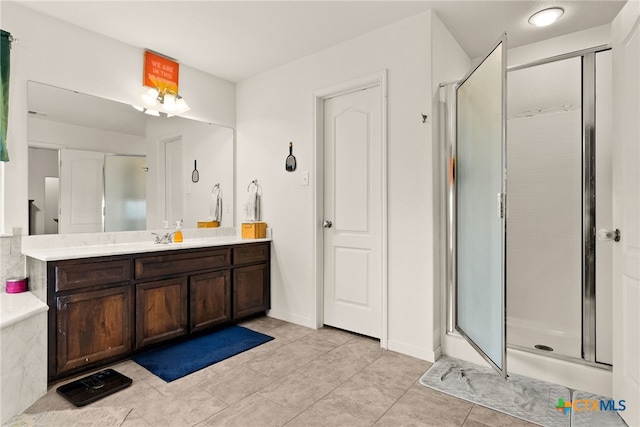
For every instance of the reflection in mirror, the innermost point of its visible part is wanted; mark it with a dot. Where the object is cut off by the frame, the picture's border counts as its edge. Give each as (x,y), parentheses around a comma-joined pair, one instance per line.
(99,165)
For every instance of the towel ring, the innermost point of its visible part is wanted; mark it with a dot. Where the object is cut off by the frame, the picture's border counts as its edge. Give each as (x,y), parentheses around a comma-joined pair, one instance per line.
(254,183)
(216,190)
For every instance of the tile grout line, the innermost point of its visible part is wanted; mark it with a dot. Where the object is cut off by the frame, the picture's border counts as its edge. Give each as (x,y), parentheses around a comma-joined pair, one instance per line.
(257,392)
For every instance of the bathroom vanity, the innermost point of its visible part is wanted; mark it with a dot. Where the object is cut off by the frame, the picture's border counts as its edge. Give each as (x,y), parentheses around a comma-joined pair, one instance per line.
(108,303)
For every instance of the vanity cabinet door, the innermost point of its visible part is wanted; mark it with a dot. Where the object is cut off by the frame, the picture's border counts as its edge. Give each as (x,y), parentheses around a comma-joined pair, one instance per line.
(209,299)
(93,326)
(161,310)
(250,290)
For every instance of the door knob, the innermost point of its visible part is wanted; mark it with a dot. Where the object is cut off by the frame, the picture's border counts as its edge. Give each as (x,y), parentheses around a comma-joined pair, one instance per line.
(327,224)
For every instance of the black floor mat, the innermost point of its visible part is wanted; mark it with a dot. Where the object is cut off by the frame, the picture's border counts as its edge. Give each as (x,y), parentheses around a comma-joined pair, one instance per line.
(94,387)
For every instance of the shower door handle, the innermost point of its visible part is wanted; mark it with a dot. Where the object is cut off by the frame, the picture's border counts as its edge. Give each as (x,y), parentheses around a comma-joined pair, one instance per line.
(604,234)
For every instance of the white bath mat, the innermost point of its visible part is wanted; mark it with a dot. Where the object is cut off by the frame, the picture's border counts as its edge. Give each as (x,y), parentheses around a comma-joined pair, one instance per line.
(521,397)
(84,417)
(590,412)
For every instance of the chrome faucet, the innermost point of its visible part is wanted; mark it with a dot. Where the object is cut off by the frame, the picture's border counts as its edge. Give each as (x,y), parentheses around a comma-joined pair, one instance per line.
(166,238)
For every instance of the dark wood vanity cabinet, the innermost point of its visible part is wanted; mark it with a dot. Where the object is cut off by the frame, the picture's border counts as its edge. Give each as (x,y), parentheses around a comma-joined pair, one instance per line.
(91,317)
(161,310)
(93,326)
(250,290)
(108,308)
(167,308)
(251,280)
(210,300)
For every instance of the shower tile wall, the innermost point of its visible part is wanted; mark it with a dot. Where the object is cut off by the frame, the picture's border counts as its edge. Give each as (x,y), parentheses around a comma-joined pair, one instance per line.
(544,229)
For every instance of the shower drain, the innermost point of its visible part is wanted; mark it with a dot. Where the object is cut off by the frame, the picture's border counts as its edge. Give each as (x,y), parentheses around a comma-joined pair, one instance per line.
(543,347)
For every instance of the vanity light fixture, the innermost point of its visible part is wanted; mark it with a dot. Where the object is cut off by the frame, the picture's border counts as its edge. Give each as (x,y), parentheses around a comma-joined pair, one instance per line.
(146,110)
(546,16)
(169,102)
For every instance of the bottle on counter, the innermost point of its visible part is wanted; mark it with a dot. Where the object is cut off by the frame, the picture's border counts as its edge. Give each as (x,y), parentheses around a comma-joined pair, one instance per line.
(177,236)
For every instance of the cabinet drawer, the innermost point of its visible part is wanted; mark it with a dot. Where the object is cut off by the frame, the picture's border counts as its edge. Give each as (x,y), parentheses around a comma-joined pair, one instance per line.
(249,253)
(180,263)
(72,275)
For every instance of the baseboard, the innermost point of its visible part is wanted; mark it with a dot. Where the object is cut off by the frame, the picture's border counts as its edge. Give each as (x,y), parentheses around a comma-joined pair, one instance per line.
(412,350)
(292,318)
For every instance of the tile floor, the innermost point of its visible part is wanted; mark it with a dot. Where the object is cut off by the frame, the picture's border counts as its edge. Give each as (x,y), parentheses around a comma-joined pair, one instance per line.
(304,377)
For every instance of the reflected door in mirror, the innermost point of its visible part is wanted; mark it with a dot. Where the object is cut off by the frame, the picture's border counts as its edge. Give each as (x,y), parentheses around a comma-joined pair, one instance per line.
(81,184)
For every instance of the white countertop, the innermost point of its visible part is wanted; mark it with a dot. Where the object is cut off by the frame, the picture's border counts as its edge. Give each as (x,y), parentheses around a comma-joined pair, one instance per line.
(17,307)
(88,251)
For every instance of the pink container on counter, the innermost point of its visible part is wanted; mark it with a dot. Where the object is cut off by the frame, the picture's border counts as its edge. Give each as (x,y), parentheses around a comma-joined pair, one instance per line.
(15,286)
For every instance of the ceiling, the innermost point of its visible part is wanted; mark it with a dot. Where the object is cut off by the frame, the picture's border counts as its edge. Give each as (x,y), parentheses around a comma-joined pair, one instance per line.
(237,39)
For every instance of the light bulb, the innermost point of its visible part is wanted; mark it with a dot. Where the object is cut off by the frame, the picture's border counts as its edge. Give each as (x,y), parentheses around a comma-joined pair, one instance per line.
(181,105)
(150,97)
(169,103)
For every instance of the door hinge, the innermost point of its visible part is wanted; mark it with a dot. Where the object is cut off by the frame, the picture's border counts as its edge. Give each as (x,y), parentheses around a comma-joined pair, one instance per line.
(502,205)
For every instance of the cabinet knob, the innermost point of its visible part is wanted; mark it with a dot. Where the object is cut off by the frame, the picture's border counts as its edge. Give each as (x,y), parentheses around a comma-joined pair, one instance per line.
(327,224)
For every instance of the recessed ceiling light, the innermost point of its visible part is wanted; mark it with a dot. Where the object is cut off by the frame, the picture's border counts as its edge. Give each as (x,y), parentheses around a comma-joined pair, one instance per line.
(546,17)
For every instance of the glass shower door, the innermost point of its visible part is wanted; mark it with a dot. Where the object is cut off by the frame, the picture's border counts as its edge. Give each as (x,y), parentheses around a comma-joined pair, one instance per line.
(125,193)
(480,224)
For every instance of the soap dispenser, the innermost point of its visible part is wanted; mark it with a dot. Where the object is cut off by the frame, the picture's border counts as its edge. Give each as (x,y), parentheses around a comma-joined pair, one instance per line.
(177,236)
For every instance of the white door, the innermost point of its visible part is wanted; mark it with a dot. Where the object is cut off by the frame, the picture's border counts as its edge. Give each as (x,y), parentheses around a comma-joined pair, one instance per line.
(51,201)
(626,214)
(81,186)
(353,212)
(174,194)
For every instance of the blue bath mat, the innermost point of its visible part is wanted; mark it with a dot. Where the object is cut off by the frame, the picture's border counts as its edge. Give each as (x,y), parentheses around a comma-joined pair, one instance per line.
(178,360)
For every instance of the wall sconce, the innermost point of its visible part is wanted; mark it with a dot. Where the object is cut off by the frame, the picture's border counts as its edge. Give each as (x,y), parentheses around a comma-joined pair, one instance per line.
(170,102)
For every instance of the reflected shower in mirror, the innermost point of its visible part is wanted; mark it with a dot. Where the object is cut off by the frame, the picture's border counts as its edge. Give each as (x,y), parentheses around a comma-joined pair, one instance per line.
(100,165)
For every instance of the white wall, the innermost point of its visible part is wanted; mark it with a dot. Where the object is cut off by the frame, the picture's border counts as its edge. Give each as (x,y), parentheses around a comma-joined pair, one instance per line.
(449,63)
(63,55)
(277,107)
(212,147)
(213,150)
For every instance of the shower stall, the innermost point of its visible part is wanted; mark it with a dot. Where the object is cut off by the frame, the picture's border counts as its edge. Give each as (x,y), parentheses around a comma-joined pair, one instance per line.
(556,197)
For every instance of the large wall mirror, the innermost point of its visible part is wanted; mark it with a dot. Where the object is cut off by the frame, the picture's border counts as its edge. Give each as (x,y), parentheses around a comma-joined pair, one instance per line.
(98,165)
